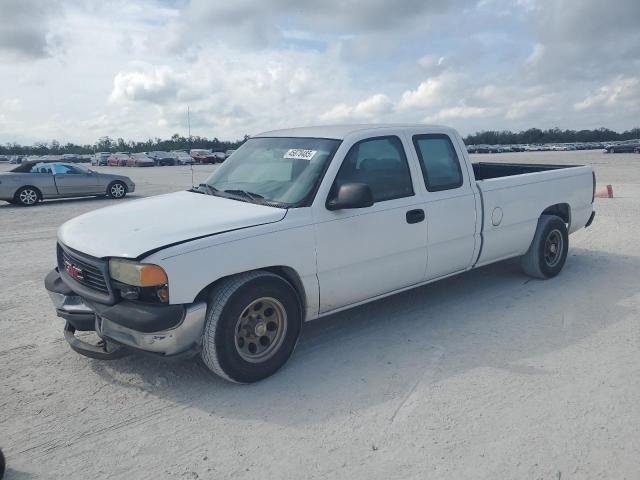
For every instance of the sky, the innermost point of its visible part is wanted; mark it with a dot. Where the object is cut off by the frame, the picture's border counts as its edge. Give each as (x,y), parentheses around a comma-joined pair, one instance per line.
(77,70)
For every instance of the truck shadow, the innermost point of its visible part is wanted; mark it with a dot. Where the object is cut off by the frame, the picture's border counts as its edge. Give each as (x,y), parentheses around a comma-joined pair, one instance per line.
(493,317)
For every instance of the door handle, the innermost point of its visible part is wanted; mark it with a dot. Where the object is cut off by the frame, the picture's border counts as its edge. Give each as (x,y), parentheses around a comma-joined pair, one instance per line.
(415,216)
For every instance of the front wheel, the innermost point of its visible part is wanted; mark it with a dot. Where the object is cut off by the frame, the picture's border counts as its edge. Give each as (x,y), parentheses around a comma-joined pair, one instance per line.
(117,190)
(253,324)
(548,251)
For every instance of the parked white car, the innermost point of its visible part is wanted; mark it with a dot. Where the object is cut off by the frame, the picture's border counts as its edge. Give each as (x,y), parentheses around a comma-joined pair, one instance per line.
(299,224)
(220,156)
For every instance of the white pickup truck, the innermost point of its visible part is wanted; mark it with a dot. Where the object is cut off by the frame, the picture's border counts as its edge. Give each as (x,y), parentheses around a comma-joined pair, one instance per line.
(299,224)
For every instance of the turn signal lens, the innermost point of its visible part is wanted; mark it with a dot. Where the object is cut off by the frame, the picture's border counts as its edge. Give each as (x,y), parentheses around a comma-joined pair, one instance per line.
(151,275)
(137,274)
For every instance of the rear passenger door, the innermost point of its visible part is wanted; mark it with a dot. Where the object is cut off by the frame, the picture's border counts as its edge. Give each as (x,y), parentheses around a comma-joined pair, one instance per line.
(450,204)
(366,252)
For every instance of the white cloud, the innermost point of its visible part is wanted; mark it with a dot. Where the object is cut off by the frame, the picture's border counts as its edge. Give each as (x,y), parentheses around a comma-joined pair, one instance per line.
(157,85)
(430,61)
(528,106)
(244,67)
(537,55)
(622,92)
(428,94)
(26,31)
(13,105)
(461,112)
(372,108)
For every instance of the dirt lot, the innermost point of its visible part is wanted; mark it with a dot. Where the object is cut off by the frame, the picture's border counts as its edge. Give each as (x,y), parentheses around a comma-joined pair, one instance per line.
(486,375)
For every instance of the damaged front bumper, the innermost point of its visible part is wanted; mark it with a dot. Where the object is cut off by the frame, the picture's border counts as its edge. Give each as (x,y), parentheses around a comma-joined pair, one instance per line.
(166,330)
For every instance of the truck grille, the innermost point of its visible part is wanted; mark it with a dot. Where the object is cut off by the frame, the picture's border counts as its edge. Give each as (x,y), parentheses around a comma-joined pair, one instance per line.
(87,271)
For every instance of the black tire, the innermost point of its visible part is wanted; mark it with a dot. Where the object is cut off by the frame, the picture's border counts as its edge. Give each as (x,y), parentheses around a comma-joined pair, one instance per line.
(229,302)
(548,251)
(2,465)
(27,196)
(117,189)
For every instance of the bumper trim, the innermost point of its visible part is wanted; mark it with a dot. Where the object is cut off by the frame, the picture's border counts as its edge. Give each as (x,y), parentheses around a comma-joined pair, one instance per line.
(179,339)
(73,309)
(103,351)
(169,330)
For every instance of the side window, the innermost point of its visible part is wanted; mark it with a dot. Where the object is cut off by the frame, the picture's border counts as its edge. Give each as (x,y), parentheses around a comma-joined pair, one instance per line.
(379,162)
(439,162)
(41,168)
(61,168)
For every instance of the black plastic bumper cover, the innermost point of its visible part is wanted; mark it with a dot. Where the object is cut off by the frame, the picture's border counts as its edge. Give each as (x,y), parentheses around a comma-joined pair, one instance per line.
(103,351)
(141,317)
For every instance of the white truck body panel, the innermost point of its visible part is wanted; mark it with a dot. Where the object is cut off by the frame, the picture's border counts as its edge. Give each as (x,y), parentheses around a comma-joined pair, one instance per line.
(522,198)
(341,258)
(154,222)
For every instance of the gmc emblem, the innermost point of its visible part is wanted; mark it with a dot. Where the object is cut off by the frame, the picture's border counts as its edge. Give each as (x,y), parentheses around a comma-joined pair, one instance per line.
(73,271)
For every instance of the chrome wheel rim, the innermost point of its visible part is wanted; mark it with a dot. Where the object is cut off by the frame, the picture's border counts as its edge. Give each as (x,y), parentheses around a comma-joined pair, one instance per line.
(28,196)
(117,190)
(553,246)
(260,329)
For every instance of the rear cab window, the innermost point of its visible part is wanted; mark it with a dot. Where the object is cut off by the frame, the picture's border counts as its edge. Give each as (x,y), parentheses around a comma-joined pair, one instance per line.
(439,161)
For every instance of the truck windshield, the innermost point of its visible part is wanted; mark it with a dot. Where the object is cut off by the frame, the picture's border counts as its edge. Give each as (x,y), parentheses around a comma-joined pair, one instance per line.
(282,171)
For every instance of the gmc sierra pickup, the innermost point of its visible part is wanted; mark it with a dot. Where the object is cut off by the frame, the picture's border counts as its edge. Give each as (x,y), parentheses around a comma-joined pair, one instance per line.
(298,224)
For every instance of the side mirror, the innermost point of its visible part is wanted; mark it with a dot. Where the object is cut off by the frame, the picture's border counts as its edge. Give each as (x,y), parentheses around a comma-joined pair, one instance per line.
(351,195)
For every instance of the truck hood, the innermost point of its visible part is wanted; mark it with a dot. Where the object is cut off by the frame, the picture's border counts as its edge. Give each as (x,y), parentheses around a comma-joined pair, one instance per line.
(139,226)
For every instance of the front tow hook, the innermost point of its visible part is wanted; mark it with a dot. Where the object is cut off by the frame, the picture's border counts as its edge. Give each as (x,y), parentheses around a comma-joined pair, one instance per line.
(101,351)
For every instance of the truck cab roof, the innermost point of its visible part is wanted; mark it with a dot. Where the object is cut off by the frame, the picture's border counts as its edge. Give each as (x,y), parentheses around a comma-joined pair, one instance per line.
(340,132)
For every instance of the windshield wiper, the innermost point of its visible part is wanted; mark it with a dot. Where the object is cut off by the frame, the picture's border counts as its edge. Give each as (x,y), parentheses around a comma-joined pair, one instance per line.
(250,195)
(211,190)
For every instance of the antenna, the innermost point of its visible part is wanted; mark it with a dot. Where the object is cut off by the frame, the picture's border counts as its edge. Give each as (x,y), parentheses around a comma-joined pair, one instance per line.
(189,127)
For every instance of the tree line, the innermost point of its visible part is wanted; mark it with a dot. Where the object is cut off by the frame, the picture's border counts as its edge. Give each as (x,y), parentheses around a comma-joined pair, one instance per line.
(108,144)
(178,142)
(552,135)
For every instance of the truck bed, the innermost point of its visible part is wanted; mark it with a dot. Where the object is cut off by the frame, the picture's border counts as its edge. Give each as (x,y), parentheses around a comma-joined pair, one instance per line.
(487,170)
(513,196)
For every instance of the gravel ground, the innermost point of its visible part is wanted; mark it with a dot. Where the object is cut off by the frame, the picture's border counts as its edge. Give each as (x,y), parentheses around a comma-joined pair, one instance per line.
(486,375)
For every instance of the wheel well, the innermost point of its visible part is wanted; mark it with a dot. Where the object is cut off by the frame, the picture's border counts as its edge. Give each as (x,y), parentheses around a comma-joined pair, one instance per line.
(15,195)
(562,210)
(126,189)
(287,273)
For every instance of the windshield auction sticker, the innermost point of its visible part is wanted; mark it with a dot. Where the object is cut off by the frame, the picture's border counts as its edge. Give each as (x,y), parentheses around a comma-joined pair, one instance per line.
(300,154)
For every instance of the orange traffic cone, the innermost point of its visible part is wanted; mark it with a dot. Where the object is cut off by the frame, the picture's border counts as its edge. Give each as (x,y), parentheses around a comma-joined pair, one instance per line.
(608,193)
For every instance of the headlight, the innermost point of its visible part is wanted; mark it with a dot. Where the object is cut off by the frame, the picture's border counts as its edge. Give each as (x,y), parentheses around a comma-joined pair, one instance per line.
(141,281)
(137,274)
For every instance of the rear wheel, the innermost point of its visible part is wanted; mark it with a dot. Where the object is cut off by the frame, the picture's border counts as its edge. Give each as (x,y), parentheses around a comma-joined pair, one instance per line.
(253,324)
(548,251)
(117,189)
(27,196)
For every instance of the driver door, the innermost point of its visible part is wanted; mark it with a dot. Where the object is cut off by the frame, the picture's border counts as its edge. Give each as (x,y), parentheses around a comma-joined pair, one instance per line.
(366,252)
(71,180)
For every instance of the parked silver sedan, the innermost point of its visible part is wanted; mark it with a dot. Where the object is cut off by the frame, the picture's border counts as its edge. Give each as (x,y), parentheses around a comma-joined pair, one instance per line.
(32,182)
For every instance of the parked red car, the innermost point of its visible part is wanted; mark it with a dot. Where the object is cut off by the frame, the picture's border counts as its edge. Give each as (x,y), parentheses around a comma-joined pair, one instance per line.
(118,159)
(140,160)
(203,156)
